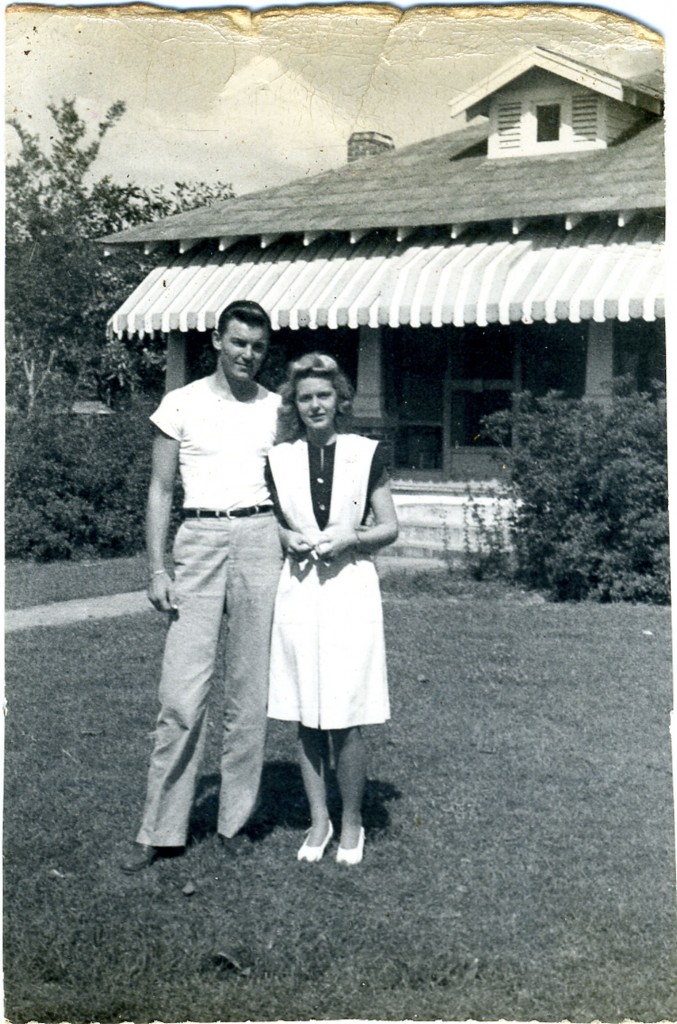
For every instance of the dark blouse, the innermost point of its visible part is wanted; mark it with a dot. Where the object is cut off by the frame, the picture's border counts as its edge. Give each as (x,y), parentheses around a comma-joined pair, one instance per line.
(321,469)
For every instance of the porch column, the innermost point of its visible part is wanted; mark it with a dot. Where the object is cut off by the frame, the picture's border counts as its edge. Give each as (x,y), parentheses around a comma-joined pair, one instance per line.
(175,372)
(368,403)
(599,364)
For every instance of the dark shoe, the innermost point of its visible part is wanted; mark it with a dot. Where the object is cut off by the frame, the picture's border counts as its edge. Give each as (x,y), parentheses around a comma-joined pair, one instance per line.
(142,857)
(239,846)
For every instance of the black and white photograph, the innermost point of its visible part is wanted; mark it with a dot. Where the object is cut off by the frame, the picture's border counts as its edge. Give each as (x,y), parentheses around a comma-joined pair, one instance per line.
(338,658)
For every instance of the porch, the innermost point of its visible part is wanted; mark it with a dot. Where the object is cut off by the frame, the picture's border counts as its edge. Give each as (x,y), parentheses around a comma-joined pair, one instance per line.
(439,521)
(435,333)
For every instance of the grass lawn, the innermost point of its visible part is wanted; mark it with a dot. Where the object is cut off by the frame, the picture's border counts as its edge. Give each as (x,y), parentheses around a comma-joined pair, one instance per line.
(28,583)
(519,860)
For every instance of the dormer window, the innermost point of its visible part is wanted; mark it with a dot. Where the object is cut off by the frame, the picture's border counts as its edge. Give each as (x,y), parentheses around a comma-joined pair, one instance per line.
(548,122)
(558,120)
(544,102)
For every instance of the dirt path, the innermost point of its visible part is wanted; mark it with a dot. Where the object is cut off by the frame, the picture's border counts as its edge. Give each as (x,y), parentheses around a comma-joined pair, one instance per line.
(63,613)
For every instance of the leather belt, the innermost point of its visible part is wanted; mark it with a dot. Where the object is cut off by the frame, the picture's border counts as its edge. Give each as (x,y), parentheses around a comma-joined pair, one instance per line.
(233,513)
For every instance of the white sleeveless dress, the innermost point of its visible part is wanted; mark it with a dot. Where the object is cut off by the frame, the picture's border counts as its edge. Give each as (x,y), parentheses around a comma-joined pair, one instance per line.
(327,665)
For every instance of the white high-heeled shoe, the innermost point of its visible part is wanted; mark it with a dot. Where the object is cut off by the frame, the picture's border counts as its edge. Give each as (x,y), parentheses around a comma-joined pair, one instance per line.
(312,854)
(353,856)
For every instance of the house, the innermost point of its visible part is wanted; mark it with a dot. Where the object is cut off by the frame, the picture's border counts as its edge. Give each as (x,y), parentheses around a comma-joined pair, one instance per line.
(522,251)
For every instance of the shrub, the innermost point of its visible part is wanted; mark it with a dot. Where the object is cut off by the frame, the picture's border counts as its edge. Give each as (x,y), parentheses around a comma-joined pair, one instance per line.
(76,485)
(486,539)
(590,483)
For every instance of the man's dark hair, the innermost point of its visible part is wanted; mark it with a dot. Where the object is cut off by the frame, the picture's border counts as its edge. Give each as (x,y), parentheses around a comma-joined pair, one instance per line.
(247,312)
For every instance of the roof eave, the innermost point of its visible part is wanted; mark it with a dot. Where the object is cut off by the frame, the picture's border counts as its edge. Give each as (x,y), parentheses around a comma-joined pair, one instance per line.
(574,71)
(448,217)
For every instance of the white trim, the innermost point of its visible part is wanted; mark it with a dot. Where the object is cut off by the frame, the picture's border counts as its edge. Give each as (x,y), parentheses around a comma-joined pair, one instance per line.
(557,64)
(544,271)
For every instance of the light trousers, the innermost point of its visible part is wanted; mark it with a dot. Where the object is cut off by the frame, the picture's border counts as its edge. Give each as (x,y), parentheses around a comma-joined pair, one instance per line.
(231,564)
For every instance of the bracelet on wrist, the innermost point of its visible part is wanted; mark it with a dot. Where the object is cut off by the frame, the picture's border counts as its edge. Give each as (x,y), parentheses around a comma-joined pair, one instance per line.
(157,572)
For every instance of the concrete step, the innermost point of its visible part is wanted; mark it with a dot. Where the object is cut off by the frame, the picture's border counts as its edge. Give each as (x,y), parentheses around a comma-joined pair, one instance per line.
(433,525)
(434,533)
(396,561)
(411,549)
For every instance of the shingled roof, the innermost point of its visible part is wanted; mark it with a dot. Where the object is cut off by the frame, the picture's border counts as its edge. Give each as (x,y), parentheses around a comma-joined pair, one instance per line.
(441,181)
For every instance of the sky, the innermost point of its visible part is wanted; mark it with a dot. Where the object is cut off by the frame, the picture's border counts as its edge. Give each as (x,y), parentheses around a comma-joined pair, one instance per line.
(256,99)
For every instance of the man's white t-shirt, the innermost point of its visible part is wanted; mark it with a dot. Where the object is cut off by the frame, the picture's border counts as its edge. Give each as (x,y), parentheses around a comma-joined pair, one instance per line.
(223,444)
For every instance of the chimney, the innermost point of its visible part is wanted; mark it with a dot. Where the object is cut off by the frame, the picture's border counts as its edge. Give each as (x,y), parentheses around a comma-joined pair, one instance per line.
(368,144)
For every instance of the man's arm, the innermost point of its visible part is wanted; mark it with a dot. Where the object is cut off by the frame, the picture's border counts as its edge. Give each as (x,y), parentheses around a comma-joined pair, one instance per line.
(158,510)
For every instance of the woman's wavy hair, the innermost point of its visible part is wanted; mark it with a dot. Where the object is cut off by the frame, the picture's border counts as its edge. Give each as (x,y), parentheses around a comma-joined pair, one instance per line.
(313,364)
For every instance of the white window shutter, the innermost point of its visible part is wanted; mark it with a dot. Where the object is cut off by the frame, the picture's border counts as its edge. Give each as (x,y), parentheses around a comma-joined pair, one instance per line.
(584,117)
(509,124)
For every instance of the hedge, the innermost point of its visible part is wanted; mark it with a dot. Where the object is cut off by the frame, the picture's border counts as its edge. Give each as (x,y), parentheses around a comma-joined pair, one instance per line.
(591,495)
(76,485)
(590,484)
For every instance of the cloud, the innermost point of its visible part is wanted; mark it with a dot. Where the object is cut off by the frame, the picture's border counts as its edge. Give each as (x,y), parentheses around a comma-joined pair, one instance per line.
(258,101)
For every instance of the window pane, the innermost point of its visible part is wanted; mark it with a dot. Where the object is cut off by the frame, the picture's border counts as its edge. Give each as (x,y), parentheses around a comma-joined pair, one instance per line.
(553,357)
(483,352)
(418,448)
(341,344)
(639,351)
(548,122)
(420,355)
(467,412)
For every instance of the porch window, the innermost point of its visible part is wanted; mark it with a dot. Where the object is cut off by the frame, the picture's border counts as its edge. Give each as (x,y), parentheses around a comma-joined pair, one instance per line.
(552,358)
(481,364)
(287,345)
(639,352)
(419,447)
(442,382)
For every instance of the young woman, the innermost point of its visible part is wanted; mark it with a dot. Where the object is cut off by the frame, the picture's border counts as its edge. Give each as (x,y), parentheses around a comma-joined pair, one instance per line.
(328,668)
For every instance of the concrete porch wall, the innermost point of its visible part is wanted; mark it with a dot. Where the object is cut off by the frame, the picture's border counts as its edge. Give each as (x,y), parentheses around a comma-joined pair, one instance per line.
(437,521)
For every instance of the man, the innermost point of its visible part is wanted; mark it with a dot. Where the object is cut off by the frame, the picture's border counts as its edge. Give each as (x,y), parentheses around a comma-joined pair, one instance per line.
(216,432)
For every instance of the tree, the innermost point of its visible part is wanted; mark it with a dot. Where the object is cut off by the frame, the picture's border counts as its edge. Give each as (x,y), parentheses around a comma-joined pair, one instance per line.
(60,289)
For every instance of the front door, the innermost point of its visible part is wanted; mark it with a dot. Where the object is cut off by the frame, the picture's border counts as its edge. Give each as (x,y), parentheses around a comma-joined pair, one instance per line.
(417,360)
(481,381)
(442,382)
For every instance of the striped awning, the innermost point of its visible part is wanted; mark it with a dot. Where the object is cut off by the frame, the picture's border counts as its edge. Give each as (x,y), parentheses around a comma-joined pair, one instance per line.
(597,271)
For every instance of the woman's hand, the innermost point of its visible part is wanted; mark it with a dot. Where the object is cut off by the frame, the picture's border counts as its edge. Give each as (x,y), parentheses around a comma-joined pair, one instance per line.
(334,541)
(161,592)
(296,545)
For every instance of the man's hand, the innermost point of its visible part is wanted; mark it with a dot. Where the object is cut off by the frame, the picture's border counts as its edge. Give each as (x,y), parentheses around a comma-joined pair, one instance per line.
(165,463)
(161,592)
(334,541)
